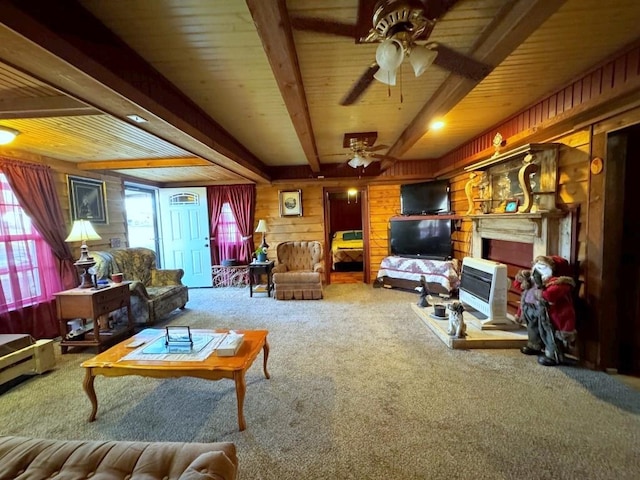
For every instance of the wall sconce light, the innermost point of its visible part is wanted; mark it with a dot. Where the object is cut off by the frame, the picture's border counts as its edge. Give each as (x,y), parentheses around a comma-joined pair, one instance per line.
(352,192)
(7,135)
(81,231)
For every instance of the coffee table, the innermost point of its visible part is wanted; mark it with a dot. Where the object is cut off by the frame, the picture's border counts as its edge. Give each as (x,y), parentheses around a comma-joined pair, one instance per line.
(110,363)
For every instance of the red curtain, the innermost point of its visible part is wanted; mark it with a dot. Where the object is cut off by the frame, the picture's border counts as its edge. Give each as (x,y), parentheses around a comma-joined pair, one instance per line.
(242,200)
(30,272)
(44,210)
(216,197)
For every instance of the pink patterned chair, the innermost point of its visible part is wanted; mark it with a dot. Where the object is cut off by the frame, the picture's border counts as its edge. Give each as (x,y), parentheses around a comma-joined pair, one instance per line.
(299,272)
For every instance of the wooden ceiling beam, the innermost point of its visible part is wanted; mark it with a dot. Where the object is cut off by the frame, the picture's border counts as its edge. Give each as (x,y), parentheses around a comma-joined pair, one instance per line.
(274,28)
(38,107)
(145,163)
(517,20)
(72,51)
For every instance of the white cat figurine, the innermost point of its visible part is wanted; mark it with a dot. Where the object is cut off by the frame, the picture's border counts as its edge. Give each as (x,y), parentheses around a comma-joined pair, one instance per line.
(457,327)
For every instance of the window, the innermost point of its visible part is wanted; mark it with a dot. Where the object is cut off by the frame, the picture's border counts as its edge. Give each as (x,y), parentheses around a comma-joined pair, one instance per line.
(227,234)
(25,258)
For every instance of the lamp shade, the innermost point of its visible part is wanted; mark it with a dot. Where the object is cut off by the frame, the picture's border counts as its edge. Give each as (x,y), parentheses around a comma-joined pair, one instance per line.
(7,135)
(81,231)
(389,54)
(421,58)
(359,161)
(262,226)
(388,77)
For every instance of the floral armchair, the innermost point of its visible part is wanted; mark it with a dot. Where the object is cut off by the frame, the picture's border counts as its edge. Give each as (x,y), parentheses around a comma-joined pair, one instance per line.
(154,292)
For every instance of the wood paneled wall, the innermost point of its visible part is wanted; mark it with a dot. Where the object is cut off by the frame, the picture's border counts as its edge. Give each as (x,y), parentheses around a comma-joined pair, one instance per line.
(310,226)
(384,203)
(116,228)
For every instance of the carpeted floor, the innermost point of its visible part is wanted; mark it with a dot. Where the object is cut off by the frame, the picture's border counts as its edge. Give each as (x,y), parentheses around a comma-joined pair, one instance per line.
(359,389)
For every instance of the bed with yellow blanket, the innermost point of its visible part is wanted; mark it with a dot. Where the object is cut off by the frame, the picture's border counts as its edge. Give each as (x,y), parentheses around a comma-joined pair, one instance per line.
(347,247)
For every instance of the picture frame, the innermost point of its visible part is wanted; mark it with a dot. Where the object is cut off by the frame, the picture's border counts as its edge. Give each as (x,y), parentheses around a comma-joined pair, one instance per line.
(290,203)
(511,206)
(87,199)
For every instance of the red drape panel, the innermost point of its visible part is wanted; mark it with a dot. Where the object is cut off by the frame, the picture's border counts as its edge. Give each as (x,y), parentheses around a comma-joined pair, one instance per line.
(34,190)
(26,180)
(242,199)
(216,197)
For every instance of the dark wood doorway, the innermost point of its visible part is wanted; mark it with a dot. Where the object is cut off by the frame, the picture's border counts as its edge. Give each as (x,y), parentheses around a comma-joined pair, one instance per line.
(623,151)
(345,212)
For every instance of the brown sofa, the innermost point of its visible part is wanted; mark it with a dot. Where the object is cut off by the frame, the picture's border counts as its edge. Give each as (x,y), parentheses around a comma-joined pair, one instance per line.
(22,457)
(299,273)
(154,292)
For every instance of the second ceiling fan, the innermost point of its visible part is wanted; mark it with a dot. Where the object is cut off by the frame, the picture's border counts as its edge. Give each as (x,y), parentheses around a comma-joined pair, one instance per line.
(402,28)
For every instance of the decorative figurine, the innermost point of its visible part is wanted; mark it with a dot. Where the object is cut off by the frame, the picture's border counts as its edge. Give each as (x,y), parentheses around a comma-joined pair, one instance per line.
(424,292)
(547,309)
(457,327)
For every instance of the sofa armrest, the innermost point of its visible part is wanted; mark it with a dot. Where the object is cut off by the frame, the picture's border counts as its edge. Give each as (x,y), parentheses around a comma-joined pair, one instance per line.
(164,277)
(280,268)
(137,288)
(318,267)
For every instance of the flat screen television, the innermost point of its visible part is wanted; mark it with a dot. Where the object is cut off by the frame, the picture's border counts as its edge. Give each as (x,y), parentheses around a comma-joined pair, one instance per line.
(425,198)
(429,239)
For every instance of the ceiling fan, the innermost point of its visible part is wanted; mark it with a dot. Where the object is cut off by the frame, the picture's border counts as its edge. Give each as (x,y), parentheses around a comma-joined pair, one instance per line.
(362,149)
(402,28)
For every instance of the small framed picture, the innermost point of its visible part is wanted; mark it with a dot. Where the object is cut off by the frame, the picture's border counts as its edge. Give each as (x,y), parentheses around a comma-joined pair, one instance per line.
(511,206)
(87,199)
(290,203)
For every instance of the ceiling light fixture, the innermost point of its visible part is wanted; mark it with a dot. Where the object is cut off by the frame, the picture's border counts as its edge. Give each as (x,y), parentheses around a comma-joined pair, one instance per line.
(436,125)
(137,118)
(7,135)
(390,54)
(359,161)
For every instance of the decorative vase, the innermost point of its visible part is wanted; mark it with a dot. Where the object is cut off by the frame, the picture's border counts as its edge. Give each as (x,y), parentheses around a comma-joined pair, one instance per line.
(262,257)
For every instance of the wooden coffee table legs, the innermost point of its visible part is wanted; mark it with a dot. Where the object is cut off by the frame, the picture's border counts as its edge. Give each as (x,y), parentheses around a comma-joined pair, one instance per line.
(238,377)
(91,393)
(241,385)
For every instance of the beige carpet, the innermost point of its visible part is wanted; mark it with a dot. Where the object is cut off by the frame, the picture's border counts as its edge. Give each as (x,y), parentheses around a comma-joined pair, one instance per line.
(359,389)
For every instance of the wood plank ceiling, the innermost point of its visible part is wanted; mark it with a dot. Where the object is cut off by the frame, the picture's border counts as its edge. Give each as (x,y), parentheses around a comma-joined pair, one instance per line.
(250,98)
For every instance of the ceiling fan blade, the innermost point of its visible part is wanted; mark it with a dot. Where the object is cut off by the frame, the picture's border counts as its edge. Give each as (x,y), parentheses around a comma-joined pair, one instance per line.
(383,157)
(320,25)
(459,64)
(360,86)
(377,148)
(435,9)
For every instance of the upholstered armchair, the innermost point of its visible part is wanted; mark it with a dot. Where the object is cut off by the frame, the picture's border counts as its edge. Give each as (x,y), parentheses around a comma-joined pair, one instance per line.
(154,292)
(299,272)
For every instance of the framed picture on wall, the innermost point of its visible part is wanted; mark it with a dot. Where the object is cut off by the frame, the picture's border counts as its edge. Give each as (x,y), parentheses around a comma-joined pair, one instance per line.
(290,203)
(87,199)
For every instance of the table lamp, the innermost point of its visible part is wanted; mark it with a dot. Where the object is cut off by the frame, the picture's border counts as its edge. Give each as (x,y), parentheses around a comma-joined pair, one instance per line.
(81,231)
(262,228)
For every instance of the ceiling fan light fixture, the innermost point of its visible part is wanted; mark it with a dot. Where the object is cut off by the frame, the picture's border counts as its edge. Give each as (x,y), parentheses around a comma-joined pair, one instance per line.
(359,161)
(389,54)
(7,135)
(421,58)
(388,77)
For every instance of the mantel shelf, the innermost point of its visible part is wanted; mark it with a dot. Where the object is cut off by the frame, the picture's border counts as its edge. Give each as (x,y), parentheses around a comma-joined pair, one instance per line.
(536,215)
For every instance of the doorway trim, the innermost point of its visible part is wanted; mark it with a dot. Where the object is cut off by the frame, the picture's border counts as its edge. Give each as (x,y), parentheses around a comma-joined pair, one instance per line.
(364,213)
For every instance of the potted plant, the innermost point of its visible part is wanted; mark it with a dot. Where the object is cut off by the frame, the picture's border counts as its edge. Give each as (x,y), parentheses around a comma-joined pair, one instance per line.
(261,254)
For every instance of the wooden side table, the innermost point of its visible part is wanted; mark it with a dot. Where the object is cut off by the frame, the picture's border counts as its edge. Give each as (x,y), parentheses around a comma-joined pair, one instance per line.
(255,270)
(94,304)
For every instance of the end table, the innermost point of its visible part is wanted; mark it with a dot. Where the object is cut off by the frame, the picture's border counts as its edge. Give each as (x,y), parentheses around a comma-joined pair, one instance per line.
(255,270)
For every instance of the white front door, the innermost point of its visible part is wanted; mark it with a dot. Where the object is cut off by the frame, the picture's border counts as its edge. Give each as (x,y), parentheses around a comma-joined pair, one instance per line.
(185,234)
